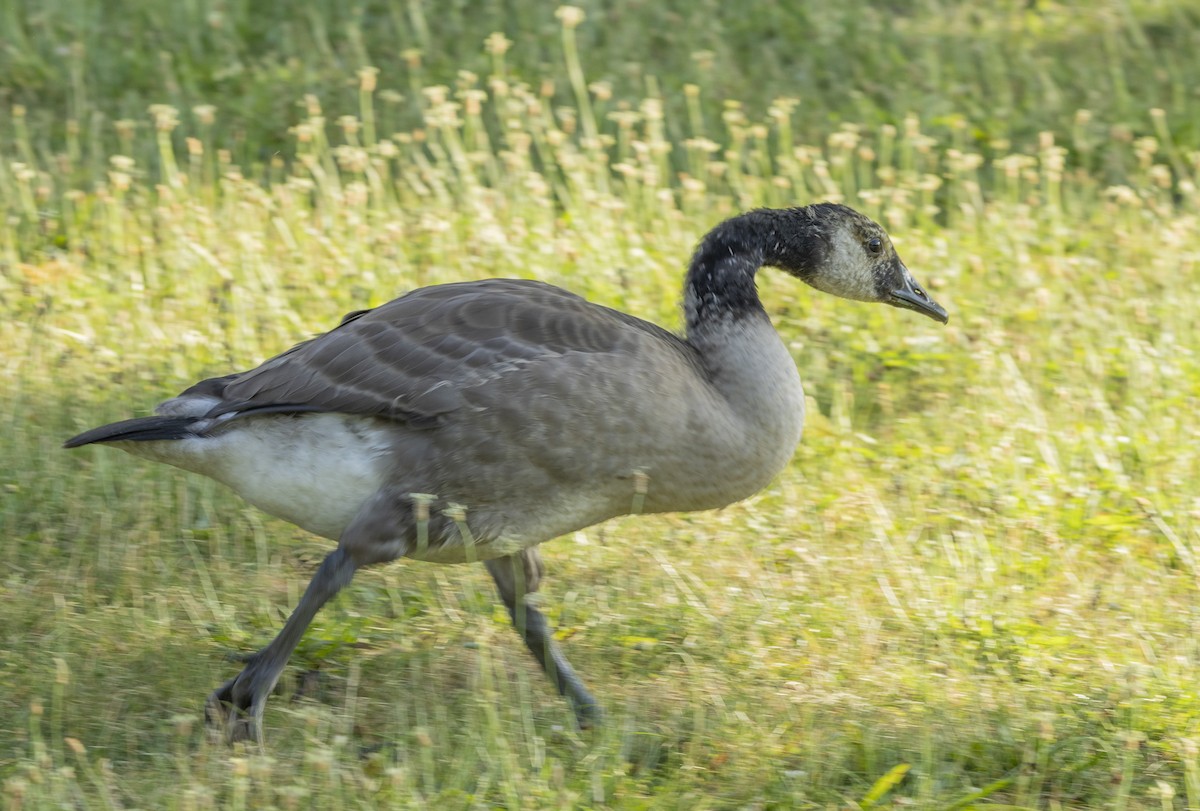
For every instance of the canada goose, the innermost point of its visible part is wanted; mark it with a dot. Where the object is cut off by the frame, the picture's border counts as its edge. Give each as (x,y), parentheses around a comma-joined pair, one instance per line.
(474,421)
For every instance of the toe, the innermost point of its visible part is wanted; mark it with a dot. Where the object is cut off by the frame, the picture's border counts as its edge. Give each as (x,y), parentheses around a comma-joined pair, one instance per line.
(246,728)
(587,713)
(231,710)
(219,705)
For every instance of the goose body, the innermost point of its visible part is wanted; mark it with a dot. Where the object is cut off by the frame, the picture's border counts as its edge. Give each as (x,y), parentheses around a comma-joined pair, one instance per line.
(474,421)
(455,365)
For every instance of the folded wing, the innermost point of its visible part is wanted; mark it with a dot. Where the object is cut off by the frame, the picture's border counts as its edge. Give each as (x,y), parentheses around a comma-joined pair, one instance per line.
(410,360)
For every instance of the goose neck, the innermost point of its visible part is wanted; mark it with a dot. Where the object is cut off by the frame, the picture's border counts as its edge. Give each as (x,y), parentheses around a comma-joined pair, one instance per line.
(720,286)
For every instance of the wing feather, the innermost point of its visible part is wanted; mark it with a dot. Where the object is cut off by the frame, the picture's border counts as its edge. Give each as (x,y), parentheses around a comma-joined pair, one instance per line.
(411,359)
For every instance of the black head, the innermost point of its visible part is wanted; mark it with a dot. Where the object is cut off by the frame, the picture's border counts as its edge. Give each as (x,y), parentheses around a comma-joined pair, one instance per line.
(837,250)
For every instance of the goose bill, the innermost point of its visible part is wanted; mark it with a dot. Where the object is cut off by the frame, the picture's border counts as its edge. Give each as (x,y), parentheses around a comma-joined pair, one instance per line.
(908,298)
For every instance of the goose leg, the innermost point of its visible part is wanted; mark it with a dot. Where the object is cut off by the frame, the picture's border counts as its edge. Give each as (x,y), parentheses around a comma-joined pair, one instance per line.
(237,705)
(374,536)
(517,576)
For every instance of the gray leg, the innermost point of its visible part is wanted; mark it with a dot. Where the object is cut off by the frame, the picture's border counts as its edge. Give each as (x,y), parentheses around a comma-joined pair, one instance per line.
(237,705)
(374,536)
(516,576)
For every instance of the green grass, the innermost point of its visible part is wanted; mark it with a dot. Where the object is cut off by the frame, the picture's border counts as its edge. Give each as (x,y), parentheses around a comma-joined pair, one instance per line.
(1010,69)
(976,586)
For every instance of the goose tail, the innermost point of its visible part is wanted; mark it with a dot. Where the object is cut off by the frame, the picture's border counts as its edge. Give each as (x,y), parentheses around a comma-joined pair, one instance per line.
(140,429)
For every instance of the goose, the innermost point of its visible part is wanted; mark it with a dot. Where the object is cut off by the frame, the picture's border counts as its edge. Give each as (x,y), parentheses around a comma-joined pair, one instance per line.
(473,421)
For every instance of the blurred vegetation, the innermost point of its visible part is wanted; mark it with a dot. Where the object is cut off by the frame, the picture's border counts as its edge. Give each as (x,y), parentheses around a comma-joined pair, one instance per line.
(1007,70)
(976,587)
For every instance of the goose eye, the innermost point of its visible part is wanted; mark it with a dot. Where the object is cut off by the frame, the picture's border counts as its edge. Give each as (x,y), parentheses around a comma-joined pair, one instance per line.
(876,245)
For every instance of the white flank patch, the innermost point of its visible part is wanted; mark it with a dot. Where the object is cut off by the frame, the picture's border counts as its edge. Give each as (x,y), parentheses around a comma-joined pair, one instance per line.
(313,470)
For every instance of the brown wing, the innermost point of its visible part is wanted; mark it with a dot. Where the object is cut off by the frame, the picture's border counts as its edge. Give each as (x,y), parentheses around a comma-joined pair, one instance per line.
(411,358)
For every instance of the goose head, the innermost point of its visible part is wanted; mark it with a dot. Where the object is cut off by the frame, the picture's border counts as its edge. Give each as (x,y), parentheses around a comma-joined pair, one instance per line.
(839,251)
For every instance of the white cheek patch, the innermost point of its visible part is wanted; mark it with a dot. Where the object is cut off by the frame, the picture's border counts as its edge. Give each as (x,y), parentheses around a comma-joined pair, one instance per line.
(848,272)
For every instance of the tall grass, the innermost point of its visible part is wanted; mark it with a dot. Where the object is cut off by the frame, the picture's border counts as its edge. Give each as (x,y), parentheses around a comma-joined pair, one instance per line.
(976,584)
(1010,69)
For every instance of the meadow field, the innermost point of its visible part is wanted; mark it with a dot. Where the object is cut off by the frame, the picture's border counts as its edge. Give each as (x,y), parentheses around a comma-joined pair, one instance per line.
(976,586)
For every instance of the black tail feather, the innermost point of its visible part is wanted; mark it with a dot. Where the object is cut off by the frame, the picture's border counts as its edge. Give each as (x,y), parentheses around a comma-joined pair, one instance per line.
(141,429)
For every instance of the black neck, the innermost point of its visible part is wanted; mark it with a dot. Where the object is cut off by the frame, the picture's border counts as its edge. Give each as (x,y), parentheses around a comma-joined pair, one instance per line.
(720,287)
(720,284)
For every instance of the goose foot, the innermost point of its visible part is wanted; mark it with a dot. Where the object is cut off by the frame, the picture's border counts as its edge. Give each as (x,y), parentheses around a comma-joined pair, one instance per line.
(588,713)
(235,709)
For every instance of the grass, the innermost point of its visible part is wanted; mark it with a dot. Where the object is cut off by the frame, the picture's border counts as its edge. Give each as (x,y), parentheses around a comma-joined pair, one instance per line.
(1010,69)
(976,586)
